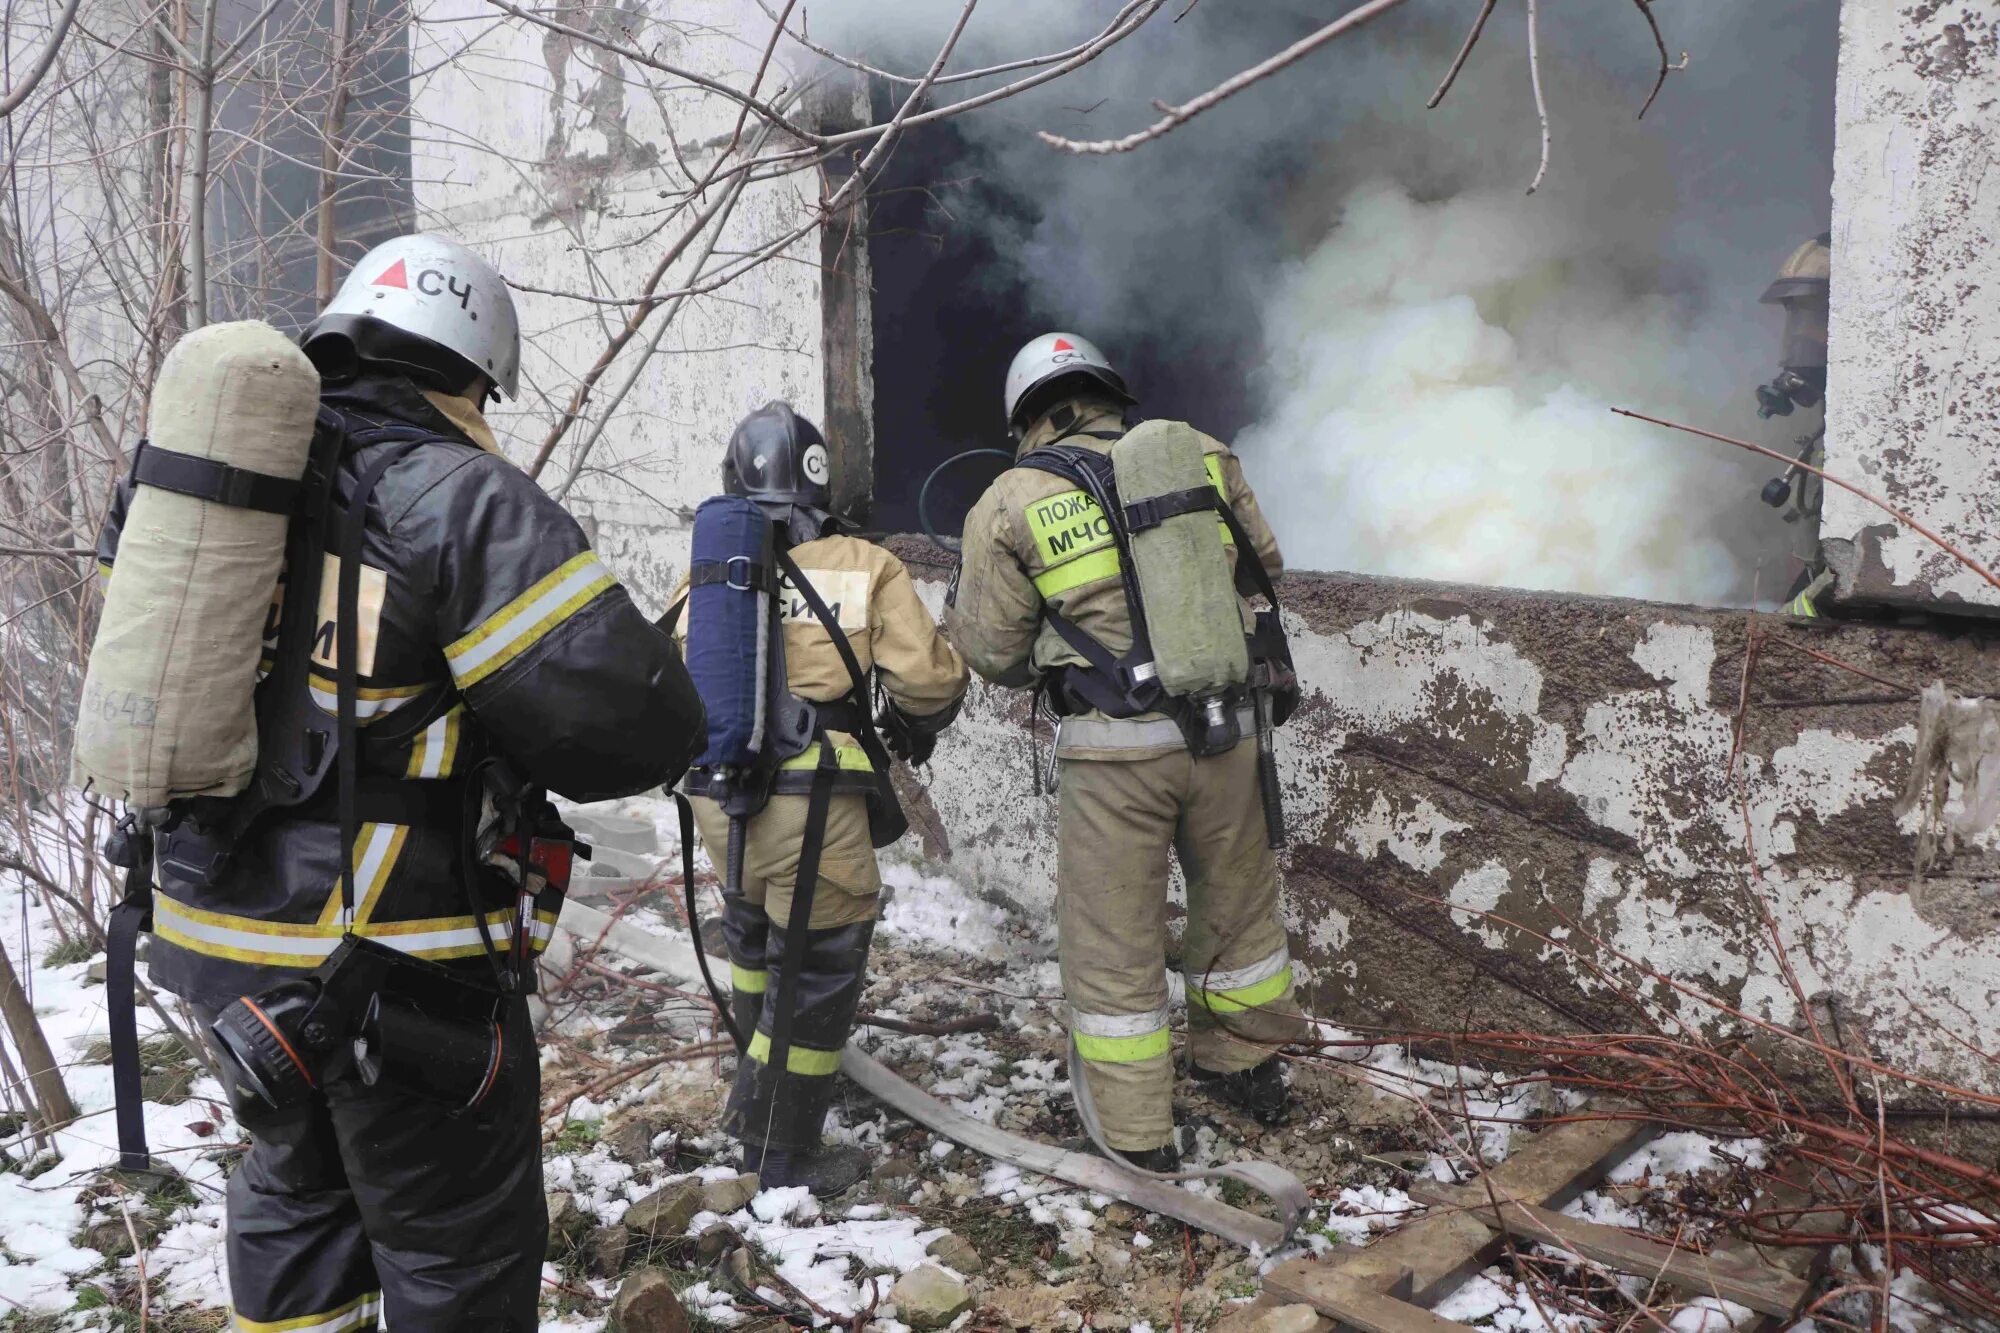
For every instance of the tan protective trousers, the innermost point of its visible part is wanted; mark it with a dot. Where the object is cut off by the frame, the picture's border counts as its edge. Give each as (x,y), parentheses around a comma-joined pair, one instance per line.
(849,883)
(1118,818)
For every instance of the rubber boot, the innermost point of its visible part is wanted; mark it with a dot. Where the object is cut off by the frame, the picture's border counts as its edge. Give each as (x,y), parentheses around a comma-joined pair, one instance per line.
(1259,1091)
(828,1170)
(1165,1159)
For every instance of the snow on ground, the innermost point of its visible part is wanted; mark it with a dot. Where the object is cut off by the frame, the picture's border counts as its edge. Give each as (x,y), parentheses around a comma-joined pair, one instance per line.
(44,1210)
(1042,1251)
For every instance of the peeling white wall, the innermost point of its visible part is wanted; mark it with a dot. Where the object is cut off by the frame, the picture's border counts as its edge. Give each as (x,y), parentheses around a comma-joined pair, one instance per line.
(1913,404)
(1650,767)
(574,193)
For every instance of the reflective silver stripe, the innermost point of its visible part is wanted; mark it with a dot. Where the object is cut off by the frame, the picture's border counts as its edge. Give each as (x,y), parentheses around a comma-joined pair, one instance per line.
(1118,1025)
(523,621)
(281,942)
(364,708)
(1239,978)
(1112,733)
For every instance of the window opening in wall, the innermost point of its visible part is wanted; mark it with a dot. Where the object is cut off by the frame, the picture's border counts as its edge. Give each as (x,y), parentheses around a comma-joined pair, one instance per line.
(1415,358)
(320,116)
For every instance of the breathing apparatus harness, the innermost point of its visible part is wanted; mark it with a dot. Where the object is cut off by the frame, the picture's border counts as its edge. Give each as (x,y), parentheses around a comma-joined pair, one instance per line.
(1129,685)
(418,1025)
(742,782)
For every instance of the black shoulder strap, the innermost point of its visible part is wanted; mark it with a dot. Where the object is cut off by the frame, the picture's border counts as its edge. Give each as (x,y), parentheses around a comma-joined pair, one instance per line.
(1245,550)
(670,619)
(347,675)
(1113,685)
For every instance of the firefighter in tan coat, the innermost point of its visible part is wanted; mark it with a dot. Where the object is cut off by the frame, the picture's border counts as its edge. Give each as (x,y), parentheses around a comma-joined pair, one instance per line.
(1130,789)
(778,460)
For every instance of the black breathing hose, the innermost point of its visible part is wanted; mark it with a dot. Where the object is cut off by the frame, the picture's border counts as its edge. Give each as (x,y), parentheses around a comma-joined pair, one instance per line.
(945,544)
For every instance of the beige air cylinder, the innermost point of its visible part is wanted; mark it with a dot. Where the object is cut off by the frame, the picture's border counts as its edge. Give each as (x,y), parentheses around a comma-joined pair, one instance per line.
(1185,582)
(166,707)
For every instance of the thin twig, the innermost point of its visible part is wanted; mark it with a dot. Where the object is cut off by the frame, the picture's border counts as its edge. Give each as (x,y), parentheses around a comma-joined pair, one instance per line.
(1177,116)
(1825,476)
(1646,10)
(1471,40)
(139,1259)
(1541,103)
(42,64)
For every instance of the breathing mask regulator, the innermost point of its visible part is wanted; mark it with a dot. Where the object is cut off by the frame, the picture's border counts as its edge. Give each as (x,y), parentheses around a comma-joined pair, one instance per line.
(418,1026)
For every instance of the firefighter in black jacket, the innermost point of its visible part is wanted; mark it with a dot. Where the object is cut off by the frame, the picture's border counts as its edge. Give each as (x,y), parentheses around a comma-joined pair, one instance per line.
(487,631)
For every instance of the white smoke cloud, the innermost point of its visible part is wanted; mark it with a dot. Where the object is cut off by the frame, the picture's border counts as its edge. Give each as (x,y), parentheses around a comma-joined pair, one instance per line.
(1438,381)
(1439,352)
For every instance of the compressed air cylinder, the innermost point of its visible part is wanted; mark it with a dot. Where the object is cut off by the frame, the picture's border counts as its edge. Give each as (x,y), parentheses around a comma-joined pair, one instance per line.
(1185,584)
(166,708)
(729,628)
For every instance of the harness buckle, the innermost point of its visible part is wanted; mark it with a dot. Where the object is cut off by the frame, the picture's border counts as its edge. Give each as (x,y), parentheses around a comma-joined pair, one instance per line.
(749,573)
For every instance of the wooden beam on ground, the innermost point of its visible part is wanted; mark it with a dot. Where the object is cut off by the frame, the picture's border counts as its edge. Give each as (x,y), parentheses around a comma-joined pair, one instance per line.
(1759,1286)
(1367,1308)
(1792,1190)
(1438,1251)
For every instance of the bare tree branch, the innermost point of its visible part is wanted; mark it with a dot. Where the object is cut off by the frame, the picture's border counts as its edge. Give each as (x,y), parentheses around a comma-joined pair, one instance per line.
(1471,40)
(1177,116)
(42,64)
(1541,104)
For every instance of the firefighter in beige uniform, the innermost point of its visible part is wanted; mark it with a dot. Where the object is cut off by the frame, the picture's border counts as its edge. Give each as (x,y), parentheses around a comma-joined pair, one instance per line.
(778,460)
(1130,787)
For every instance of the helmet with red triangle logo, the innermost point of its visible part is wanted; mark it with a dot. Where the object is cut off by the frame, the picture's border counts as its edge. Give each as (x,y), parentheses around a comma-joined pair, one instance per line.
(1040,369)
(427,306)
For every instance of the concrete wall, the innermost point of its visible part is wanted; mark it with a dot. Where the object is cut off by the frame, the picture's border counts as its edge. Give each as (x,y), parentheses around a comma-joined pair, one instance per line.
(585,159)
(1913,409)
(1564,763)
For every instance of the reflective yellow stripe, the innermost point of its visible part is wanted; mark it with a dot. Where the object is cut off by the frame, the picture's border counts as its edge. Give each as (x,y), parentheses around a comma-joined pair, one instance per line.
(1075,542)
(1124,1050)
(370,701)
(850,757)
(434,750)
(361,1312)
(1213,462)
(376,847)
(1248,997)
(521,624)
(798,1060)
(1089,568)
(1802,605)
(749,982)
(103,573)
(295,944)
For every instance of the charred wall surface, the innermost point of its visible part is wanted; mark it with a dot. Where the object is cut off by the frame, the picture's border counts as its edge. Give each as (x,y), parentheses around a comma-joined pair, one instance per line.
(1512,809)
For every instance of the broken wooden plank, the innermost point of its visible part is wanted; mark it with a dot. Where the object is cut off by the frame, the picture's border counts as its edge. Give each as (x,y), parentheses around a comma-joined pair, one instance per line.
(1759,1287)
(1791,1190)
(1366,1307)
(1440,1250)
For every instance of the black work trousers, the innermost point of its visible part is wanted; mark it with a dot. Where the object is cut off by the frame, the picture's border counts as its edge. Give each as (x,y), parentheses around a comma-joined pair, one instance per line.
(373,1204)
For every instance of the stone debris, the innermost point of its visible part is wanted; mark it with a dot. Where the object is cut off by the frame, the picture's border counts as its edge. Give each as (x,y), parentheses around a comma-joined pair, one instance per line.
(956,1253)
(928,1297)
(568,1224)
(647,1303)
(1287,1319)
(726,1196)
(666,1212)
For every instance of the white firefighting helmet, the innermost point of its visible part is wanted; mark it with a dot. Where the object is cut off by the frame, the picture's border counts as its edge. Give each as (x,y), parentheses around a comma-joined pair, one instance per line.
(1055,356)
(429,306)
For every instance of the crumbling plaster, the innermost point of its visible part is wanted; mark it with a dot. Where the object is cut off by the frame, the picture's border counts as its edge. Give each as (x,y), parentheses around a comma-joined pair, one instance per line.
(1913,411)
(580,194)
(1519,808)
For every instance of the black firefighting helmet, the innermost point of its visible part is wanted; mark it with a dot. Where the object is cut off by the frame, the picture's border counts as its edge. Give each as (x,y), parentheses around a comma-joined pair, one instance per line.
(779,459)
